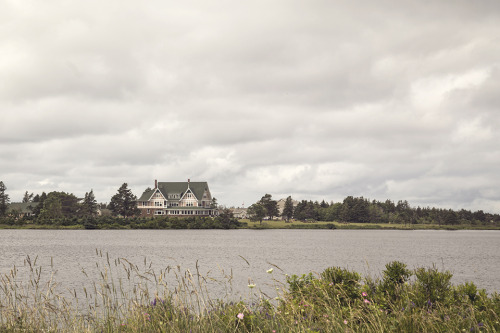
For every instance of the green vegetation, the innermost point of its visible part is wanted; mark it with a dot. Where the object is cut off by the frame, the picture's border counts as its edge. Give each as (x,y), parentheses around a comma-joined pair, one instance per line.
(65,210)
(122,297)
(4,199)
(375,213)
(225,220)
(362,210)
(266,206)
(281,224)
(124,203)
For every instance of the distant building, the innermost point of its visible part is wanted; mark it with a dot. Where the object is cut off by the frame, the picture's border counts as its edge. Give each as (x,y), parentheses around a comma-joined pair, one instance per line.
(177,199)
(281,205)
(21,209)
(239,213)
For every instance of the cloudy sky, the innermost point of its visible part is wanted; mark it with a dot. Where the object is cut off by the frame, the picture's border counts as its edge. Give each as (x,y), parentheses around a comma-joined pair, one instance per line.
(314,99)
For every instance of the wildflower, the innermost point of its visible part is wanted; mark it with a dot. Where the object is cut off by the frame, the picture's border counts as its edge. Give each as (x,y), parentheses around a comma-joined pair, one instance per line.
(364,294)
(330,284)
(366,301)
(251,285)
(270,270)
(240,316)
(480,324)
(345,321)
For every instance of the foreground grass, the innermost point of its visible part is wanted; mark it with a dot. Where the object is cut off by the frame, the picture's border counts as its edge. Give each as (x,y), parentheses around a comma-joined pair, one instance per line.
(121,297)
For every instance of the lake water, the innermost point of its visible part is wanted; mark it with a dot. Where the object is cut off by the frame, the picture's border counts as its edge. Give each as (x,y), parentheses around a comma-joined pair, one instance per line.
(469,255)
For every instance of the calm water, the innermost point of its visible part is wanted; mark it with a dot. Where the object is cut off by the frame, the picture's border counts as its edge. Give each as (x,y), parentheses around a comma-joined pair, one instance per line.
(469,255)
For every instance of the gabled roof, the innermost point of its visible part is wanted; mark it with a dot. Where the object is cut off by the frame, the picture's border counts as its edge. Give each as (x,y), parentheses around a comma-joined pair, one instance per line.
(179,188)
(22,207)
(146,195)
(198,188)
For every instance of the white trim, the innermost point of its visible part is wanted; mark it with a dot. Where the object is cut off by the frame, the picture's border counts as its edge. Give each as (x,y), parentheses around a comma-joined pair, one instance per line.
(156,190)
(188,189)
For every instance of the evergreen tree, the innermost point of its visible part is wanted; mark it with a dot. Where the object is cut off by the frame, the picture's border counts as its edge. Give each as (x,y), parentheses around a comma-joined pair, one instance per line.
(4,199)
(288,209)
(40,199)
(27,197)
(89,205)
(299,213)
(214,203)
(124,202)
(270,205)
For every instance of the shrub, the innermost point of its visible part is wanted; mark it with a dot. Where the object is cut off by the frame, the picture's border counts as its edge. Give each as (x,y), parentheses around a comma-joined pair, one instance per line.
(342,284)
(431,285)
(395,276)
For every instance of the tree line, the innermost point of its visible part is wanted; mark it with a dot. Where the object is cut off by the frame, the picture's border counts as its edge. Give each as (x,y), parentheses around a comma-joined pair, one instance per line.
(61,209)
(55,205)
(66,208)
(362,210)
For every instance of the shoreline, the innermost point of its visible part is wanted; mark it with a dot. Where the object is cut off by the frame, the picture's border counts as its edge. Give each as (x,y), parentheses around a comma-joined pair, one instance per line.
(270,225)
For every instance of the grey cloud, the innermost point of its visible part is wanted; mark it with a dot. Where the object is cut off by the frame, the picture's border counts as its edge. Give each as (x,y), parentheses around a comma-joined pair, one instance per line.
(316,99)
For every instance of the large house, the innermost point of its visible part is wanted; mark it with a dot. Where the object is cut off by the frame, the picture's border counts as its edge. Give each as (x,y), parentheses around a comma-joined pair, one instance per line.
(21,209)
(177,199)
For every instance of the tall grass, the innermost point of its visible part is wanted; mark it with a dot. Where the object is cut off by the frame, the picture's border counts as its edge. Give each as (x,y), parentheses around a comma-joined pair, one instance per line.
(120,296)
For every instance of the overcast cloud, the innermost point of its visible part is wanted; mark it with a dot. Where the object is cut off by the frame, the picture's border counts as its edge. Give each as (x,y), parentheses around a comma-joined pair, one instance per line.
(314,99)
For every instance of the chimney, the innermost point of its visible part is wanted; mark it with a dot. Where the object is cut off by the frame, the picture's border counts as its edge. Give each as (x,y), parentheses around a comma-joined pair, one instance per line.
(156,183)
(189,180)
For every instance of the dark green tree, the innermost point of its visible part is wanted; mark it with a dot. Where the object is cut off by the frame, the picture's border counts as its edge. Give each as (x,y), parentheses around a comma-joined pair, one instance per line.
(270,205)
(57,205)
(213,204)
(4,199)
(40,199)
(324,204)
(27,197)
(69,203)
(89,205)
(306,210)
(256,212)
(124,202)
(52,208)
(226,219)
(288,209)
